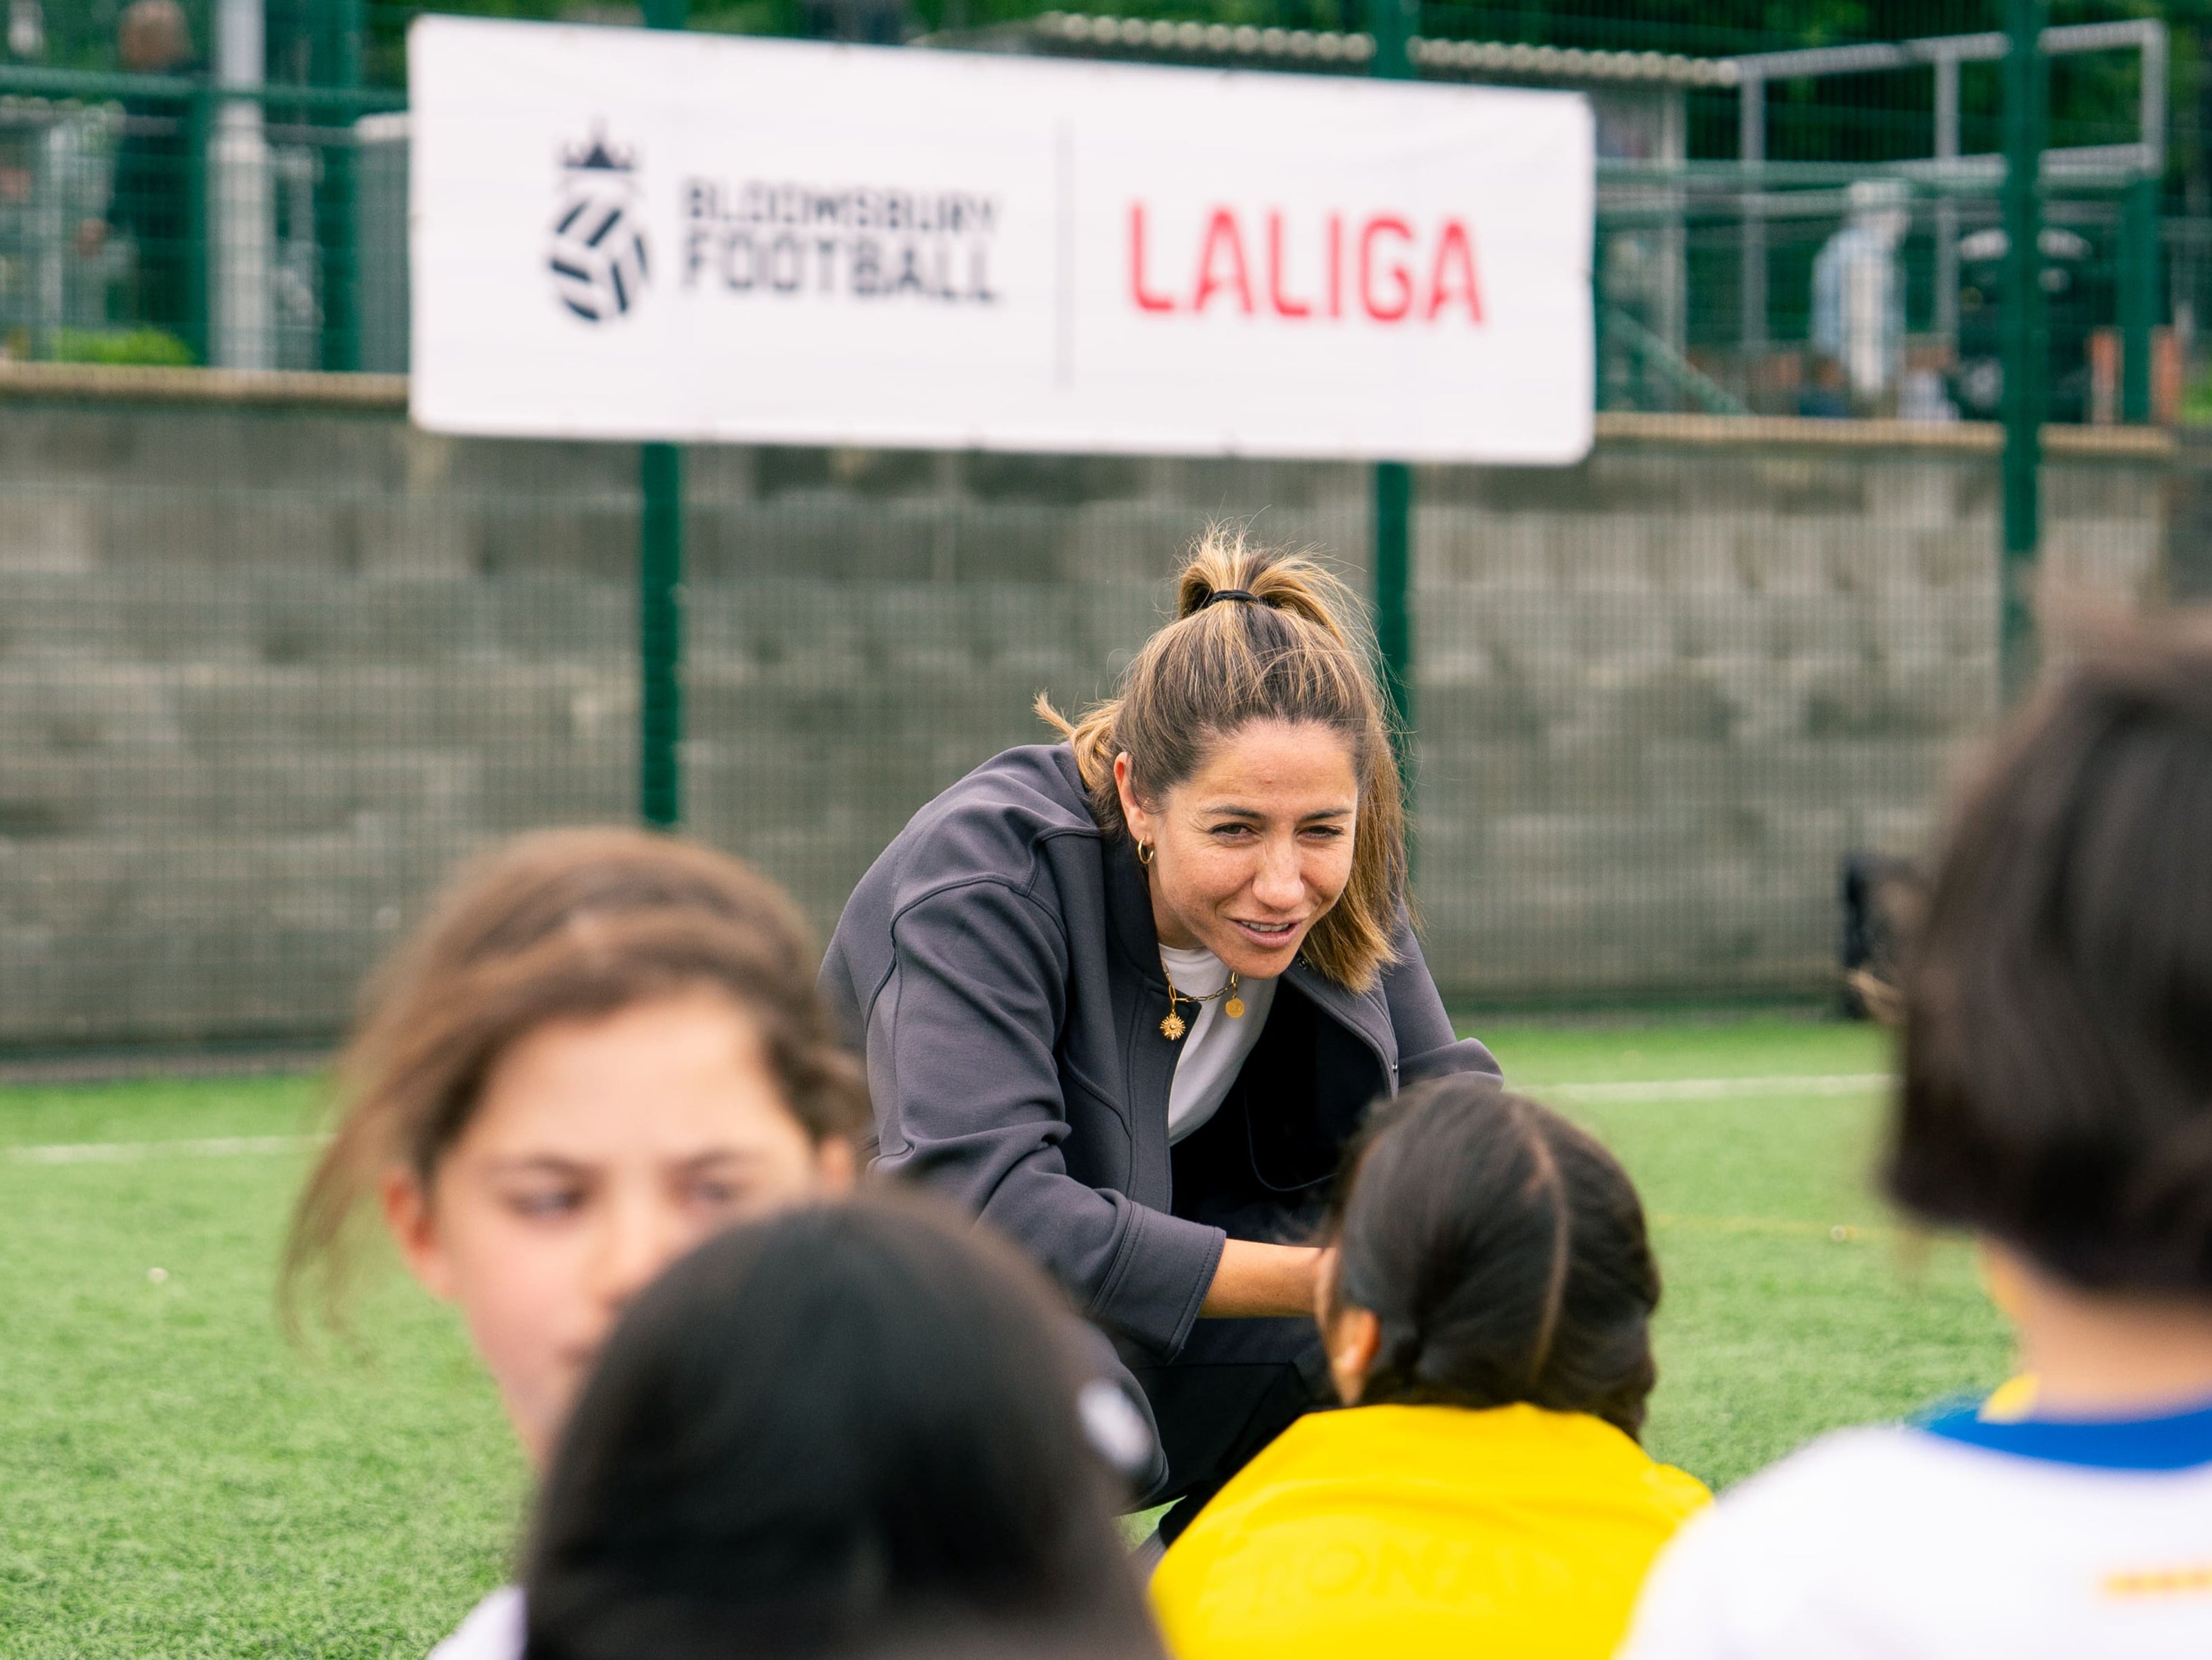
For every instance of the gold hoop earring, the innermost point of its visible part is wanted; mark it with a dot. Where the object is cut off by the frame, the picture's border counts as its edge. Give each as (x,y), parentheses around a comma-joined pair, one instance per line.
(1143,852)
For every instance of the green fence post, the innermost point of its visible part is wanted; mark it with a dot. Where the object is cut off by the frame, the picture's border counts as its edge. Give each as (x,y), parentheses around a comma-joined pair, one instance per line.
(2138,294)
(1394,622)
(1597,320)
(2027,340)
(340,344)
(199,126)
(660,635)
(1393,23)
(660,597)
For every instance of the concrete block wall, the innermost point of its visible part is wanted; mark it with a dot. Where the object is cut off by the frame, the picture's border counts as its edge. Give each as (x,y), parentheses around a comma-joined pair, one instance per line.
(1664,692)
(265,675)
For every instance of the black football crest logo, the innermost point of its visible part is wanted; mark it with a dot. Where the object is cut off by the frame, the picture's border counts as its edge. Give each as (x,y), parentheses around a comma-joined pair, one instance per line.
(598,257)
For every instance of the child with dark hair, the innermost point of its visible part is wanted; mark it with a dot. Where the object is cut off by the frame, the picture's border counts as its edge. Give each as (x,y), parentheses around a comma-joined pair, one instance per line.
(1486,1305)
(853,1430)
(2058,1102)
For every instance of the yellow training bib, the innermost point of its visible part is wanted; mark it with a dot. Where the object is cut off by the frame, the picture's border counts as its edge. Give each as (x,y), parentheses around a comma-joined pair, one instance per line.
(1416,1531)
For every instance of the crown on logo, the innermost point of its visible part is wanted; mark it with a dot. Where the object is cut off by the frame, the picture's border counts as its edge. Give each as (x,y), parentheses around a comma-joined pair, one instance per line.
(599,156)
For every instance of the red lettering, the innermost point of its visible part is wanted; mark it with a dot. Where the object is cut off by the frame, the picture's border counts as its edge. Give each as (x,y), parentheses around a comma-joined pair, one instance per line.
(1285,305)
(1147,300)
(1388,249)
(1396,310)
(1335,266)
(1222,236)
(1454,251)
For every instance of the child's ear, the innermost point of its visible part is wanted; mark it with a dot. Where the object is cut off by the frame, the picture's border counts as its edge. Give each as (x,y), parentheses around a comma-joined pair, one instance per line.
(1353,1338)
(1325,1271)
(2000,1276)
(413,1223)
(837,1166)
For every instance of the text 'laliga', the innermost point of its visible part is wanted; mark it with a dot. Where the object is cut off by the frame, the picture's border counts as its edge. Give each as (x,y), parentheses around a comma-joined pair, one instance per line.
(1383,266)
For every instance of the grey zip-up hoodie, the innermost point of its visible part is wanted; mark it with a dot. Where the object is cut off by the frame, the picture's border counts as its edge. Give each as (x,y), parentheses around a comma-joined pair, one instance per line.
(999,964)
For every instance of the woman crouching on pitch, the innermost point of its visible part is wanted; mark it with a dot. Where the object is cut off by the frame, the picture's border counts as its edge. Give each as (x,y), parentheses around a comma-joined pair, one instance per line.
(1127,997)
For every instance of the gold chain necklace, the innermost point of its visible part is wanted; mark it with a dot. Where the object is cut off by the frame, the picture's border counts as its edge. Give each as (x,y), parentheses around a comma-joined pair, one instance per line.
(1173,1028)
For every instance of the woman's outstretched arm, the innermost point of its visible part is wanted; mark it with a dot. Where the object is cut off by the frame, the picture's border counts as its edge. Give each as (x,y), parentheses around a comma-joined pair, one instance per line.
(1254,1279)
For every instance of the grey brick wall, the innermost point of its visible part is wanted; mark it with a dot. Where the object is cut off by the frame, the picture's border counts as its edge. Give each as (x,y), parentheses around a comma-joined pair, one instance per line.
(265,675)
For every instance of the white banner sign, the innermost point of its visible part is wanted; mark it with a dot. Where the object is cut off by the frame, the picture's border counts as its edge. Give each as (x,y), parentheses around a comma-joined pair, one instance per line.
(630,235)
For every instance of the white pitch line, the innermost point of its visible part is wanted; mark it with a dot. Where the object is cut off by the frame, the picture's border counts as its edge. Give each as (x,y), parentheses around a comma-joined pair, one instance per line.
(123,1152)
(1721,1089)
(1631,1090)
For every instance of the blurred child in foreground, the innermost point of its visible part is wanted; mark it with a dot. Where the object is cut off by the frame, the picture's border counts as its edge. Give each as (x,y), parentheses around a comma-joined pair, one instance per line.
(2058,1102)
(602,1047)
(1485,1303)
(852,1430)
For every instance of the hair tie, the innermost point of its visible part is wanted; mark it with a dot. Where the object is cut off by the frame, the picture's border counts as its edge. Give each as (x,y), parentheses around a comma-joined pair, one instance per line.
(1244,594)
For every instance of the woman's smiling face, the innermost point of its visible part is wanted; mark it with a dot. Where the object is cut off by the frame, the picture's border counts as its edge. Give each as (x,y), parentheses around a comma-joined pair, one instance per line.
(1253,848)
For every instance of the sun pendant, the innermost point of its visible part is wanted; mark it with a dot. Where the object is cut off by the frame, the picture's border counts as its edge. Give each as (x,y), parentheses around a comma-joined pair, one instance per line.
(1172,1027)
(1234,1008)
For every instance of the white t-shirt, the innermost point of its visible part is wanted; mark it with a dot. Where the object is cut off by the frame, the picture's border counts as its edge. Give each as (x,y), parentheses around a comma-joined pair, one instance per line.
(495,1630)
(1961,1541)
(1214,1048)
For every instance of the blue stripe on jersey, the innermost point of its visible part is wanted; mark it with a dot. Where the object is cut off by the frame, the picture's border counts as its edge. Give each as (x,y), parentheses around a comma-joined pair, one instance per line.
(2181,1442)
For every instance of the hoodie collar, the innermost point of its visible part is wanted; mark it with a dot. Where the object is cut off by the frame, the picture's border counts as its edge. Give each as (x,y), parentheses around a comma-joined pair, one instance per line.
(1364,1014)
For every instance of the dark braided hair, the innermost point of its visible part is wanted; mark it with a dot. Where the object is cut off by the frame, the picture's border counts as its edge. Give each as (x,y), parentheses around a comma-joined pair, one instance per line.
(1503,1252)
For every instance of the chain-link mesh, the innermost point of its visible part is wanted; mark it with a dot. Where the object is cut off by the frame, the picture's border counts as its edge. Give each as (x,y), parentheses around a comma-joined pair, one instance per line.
(265,674)
(268,668)
(1875,295)
(147,220)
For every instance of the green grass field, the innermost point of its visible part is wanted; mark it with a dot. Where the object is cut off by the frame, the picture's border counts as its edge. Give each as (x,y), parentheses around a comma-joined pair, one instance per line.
(175,1479)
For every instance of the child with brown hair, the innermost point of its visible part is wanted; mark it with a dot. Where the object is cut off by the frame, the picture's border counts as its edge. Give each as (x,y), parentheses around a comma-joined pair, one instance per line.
(602,1047)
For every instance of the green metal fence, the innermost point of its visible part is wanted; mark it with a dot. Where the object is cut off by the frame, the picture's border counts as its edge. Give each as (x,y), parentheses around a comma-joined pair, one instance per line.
(152,219)
(270,661)
(165,217)
(135,203)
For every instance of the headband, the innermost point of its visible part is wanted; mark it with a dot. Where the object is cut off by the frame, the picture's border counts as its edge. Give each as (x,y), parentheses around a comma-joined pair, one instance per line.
(1246,595)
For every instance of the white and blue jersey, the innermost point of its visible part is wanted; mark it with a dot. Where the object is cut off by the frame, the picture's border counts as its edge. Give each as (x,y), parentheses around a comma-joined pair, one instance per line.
(496,1629)
(1961,1538)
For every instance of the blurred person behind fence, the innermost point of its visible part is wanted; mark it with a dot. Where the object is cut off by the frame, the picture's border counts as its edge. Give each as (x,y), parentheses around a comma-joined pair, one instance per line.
(149,200)
(864,1429)
(1486,1304)
(1858,294)
(2057,1103)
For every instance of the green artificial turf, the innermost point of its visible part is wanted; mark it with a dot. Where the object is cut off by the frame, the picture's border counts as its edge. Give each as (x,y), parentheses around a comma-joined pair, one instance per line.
(175,1479)
(1794,1303)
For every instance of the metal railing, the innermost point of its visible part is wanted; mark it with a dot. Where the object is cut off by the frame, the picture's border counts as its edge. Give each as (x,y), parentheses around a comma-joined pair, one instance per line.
(162,219)
(169,218)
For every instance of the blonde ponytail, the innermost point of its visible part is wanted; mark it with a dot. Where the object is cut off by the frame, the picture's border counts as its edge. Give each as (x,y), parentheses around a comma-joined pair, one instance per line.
(1260,634)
